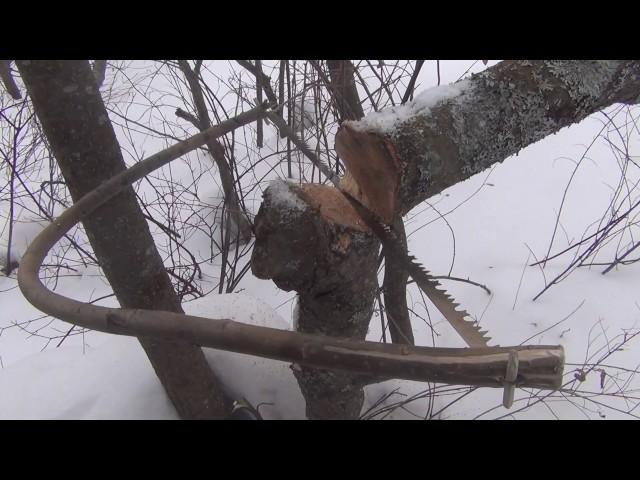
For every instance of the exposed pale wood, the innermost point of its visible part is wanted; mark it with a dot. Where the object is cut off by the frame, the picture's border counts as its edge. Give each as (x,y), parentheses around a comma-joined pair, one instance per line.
(395,293)
(373,171)
(332,205)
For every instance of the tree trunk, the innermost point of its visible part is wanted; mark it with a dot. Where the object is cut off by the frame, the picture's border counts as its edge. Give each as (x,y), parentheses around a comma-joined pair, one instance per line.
(75,121)
(332,264)
(319,389)
(343,88)
(394,285)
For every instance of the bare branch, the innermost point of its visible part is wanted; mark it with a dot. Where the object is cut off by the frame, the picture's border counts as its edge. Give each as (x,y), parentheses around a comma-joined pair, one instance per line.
(217,151)
(8,81)
(189,117)
(265,81)
(259,133)
(408,95)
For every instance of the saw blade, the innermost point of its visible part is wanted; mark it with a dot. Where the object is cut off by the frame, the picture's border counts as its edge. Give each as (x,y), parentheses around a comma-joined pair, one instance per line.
(468,329)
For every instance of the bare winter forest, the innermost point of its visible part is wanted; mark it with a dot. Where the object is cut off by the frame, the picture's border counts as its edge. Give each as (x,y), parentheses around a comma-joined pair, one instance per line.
(319,239)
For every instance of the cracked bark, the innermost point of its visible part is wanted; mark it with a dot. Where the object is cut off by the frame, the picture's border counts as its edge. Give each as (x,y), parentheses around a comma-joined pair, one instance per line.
(68,104)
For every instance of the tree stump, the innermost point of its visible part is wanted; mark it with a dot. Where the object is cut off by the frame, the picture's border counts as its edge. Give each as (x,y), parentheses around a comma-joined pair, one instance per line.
(311,240)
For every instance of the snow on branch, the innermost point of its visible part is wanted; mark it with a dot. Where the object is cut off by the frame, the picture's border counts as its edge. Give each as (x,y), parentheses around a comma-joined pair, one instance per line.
(449,133)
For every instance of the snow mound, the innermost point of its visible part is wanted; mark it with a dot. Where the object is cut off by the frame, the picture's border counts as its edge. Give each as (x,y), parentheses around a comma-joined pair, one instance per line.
(116,380)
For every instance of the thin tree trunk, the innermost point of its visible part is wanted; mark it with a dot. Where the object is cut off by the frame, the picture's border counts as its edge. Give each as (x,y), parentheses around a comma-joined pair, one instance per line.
(259,133)
(217,152)
(394,286)
(68,104)
(8,81)
(343,86)
(333,267)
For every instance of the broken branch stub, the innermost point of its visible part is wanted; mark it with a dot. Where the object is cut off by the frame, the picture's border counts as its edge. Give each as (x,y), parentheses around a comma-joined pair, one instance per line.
(311,240)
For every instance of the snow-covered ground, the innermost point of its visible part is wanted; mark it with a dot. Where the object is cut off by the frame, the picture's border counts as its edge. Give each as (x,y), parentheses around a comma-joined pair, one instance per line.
(493,225)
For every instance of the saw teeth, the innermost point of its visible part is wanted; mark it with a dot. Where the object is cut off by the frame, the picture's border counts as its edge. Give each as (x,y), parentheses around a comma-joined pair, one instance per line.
(467,329)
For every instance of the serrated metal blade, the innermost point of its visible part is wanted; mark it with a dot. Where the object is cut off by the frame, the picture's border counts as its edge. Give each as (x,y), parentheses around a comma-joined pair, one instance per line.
(467,329)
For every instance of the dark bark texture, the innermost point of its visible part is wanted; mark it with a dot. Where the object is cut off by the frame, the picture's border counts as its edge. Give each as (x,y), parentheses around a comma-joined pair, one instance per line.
(320,248)
(75,121)
(343,87)
(7,80)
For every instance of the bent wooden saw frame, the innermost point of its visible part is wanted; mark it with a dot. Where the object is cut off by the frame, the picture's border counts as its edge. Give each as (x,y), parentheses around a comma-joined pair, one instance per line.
(498,367)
